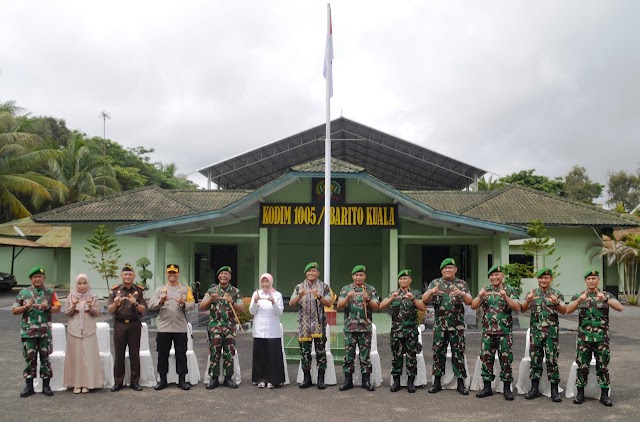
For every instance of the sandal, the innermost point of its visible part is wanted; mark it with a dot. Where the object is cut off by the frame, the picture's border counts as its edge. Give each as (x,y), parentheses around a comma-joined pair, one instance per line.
(77,390)
(85,390)
(261,385)
(270,386)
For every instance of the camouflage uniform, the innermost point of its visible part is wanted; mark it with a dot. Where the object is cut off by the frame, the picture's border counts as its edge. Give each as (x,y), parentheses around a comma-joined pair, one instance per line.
(312,323)
(357,329)
(497,327)
(35,330)
(404,334)
(448,326)
(593,337)
(544,338)
(222,330)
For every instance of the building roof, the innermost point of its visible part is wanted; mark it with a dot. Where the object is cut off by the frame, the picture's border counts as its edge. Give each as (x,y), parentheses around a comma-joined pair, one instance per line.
(394,161)
(42,235)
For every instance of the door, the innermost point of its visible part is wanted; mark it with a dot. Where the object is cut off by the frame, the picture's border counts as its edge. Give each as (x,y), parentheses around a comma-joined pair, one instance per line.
(222,255)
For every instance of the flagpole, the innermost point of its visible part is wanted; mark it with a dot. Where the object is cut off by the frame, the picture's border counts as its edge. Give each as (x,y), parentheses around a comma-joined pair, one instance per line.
(327,150)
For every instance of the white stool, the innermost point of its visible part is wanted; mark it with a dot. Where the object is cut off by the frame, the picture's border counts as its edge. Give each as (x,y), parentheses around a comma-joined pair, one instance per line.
(448,379)
(477,383)
(193,374)
(330,372)
(376,370)
(106,359)
(147,373)
(56,357)
(524,382)
(592,389)
(421,378)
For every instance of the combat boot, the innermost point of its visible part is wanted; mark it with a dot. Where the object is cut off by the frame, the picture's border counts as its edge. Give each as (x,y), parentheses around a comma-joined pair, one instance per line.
(229,382)
(366,382)
(555,395)
(395,386)
(306,382)
(508,394)
(534,392)
(461,388)
(28,389)
(162,384)
(410,384)
(604,397)
(486,391)
(46,390)
(213,383)
(436,385)
(321,384)
(579,396)
(182,383)
(348,382)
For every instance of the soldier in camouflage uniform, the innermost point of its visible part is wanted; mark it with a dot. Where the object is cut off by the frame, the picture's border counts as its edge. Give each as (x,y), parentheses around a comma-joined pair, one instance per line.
(545,303)
(36,304)
(593,334)
(220,299)
(311,296)
(358,300)
(405,304)
(498,301)
(449,295)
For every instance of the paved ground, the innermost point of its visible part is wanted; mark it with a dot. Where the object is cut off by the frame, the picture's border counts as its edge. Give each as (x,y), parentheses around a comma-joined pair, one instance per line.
(292,404)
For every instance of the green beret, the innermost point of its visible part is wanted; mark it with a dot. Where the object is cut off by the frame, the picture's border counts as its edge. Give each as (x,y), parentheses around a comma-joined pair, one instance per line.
(448,261)
(311,265)
(496,269)
(591,273)
(544,271)
(127,267)
(173,268)
(358,268)
(36,270)
(224,268)
(404,273)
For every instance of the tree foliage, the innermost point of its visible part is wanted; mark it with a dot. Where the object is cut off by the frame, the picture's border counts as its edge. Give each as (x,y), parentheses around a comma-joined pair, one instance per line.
(103,254)
(539,247)
(624,189)
(542,183)
(622,249)
(579,187)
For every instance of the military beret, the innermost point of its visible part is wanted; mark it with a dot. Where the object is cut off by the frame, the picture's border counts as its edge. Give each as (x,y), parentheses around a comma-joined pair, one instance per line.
(127,267)
(311,265)
(358,268)
(591,273)
(448,261)
(224,268)
(36,270)
(544,271)
(496,269)
(404,273)
(173,268)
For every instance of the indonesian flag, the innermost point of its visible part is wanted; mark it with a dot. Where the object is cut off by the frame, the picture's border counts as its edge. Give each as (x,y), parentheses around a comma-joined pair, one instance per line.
(328,54)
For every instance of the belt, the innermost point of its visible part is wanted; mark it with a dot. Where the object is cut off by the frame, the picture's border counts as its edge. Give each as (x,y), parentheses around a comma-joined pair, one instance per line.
(126,321)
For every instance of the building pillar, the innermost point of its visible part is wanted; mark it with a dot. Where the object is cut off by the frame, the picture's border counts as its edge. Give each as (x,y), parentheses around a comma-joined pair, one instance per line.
(263,249)
(393,260)
(155,253)
(500,249)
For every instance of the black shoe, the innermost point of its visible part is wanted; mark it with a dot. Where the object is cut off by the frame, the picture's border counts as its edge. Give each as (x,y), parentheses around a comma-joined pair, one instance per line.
(436,386)
(461,388)
(46,390)
(508,394)
(134,386)
(348,382)
(321,384)
(213,383)
(486,391)
(228,382)
(534,392)
(116,387)
(182,383)
(28,389)
(579,396)
(604,397)
(306,382)
(555,395)
(366,382)
(410,384)
(395,386)
(162,384)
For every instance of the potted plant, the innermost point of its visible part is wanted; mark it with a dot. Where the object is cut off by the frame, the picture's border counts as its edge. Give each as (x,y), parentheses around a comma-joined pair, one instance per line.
(144,274)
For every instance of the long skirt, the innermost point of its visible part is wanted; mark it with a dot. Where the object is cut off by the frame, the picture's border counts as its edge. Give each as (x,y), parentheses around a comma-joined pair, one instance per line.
(268,365)
(82,366)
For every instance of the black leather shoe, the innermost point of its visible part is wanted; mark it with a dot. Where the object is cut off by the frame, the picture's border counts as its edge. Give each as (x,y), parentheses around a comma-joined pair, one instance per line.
(486,391)
(182,383)
(46,390)
(348,382)
(229,382)
(604,397)
(28,389)
(437,386)
(461,388)
(508,394)
(213,383)
(162,384)
(134,386)
(411,387)
(116,387)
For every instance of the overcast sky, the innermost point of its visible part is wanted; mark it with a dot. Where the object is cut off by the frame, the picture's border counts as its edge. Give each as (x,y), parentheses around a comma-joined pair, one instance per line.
(501,85)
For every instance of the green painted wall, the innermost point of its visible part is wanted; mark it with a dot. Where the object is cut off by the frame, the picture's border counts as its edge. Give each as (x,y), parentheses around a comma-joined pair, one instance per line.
(54,261)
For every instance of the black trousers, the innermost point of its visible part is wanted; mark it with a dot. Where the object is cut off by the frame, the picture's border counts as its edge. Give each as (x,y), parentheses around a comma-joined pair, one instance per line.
(126,334)
(163,342)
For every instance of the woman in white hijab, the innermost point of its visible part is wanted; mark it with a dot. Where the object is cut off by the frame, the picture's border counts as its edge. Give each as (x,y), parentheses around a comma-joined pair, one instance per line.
(82,367)
(267,306)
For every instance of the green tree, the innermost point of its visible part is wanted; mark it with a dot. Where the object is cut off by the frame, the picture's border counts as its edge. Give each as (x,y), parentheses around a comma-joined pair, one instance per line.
(623,250)
(489,184)
(624,188)
(144,274)
(539,246)
(534,181)
(579,187)
(103,254)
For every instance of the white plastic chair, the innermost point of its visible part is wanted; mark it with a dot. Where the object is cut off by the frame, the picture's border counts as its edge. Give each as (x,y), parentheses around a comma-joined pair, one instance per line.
(524,382)
(106,358)
(421,378)
(449,380)
(376,370)
(56,357)
(330,372)
(193,376)
(477,383)
(147,372)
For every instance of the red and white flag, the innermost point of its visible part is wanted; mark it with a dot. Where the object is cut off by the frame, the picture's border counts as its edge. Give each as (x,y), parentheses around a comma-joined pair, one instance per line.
(328,55)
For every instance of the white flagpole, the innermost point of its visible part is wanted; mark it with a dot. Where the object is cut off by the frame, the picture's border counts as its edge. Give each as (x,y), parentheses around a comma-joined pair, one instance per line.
(328,56)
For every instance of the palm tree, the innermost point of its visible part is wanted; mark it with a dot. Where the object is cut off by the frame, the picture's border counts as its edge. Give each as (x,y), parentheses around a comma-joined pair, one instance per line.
(489,184)
(622,249)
